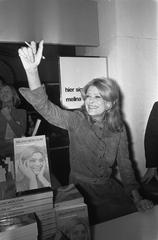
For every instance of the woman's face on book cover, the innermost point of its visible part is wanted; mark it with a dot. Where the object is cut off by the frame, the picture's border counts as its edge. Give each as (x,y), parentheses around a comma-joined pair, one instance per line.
(79,232)
(36,162)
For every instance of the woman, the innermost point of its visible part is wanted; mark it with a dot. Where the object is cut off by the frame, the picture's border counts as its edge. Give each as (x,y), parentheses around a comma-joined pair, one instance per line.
(32,170)
(98,141)
(12,119)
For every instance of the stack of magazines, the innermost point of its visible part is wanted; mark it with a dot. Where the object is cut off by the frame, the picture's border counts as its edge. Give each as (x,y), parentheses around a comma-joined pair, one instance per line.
(19,227)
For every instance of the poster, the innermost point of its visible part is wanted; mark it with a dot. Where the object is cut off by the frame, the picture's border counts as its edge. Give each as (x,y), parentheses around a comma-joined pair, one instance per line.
(75,73)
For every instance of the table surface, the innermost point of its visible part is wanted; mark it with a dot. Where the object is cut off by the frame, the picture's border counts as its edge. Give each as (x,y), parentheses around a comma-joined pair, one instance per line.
(134,226)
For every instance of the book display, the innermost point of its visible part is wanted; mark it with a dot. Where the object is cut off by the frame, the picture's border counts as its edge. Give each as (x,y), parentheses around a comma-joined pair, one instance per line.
(37,211)
(41,204)
(56,215)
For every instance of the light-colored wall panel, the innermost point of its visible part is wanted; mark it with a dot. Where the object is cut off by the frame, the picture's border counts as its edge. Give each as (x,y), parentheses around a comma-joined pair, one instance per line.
(72,22)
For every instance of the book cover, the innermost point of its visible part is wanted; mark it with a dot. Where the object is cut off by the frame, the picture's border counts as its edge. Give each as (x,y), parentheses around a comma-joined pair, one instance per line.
(73,222)
(31,163)
(67,196)
(18,226)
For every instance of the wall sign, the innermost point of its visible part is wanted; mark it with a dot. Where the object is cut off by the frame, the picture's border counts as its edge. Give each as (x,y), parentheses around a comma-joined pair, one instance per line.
(76,72)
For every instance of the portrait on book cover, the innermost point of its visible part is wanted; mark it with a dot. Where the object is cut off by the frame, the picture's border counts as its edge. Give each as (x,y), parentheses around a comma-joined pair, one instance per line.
(31,163)
(73,222)
(74,229)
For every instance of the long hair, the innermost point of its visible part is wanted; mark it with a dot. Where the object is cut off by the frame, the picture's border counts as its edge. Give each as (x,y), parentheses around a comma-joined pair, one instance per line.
(16,99)
(110,92)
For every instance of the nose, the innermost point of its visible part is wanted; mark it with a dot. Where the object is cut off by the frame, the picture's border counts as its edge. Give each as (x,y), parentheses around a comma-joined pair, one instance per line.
(91,99)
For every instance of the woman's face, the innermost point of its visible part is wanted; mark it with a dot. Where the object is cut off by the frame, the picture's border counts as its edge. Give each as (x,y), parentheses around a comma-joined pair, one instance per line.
(36,162)
(94,103)
(79,232)
(6,94)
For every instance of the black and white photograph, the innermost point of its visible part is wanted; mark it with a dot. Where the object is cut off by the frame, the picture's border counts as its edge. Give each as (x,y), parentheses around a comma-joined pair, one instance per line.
(85,76)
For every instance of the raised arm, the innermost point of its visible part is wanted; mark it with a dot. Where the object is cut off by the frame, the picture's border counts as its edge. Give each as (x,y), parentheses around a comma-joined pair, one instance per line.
(31,58)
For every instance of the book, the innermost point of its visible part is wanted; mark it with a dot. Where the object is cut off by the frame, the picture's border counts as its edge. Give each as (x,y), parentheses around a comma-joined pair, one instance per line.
(26,198)
(31,163)
(21,211)
(30,204)
(73,222)
(67,196)
(18,227)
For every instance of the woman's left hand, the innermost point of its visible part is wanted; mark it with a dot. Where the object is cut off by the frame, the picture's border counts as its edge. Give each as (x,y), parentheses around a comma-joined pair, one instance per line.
(143,205)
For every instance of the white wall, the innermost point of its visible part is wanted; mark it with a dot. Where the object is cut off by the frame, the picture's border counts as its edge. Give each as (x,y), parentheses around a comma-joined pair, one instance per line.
(129,37)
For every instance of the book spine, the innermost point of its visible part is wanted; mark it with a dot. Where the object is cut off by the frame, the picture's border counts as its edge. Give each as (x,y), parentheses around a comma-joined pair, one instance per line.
(33,209)
(19,206)
(26,198)
(69,202)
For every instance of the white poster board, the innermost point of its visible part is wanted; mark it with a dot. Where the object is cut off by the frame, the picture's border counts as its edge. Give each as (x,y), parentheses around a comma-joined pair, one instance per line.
(75,73)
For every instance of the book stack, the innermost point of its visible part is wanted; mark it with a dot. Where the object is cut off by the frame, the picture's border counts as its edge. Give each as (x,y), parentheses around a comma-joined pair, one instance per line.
(39,203)
(71,214)
(72,222)
(46,223)
(19,227)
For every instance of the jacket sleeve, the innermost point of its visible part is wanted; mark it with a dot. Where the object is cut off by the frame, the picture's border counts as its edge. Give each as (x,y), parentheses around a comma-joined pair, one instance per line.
(125,164)
(151,138)
(52,113)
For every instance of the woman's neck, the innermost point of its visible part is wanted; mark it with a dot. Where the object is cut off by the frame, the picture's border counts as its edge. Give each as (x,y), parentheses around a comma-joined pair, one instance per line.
(98,118)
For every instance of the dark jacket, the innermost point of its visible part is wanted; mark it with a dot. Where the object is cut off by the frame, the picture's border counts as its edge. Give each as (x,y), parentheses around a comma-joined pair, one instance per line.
(151,138)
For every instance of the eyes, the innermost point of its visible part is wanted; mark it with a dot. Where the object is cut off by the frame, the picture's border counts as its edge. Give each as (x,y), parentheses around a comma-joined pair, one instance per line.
(41,160)
(96,97)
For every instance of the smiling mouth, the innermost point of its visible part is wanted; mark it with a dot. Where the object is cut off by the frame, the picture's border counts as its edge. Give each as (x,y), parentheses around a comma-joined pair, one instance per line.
(37,169)
(92,107)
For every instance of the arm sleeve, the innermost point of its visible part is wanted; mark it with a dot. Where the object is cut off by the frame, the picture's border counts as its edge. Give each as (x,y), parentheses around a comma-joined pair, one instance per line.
(151,138)
(125,165)
(52,113)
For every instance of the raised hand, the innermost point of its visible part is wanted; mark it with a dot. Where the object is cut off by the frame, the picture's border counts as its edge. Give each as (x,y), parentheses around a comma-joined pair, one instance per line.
(31,56)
